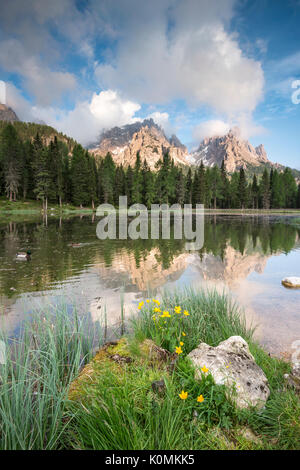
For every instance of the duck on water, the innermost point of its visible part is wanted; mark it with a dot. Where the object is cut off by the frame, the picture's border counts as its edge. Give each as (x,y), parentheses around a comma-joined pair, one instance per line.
(24,256)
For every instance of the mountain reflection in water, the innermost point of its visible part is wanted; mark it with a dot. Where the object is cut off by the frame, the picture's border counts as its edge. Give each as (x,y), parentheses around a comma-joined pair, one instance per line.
(248,256)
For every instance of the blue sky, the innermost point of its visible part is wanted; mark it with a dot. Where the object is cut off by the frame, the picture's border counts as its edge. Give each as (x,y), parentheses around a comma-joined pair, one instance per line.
(198,67)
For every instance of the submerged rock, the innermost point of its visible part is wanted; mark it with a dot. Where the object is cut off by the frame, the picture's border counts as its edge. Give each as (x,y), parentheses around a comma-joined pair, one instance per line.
(291,282)
(231,364)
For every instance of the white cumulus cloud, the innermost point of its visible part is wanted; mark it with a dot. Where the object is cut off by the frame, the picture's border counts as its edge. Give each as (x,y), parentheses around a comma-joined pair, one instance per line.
(196,59)
(212,128)
(111,110)
(217,128)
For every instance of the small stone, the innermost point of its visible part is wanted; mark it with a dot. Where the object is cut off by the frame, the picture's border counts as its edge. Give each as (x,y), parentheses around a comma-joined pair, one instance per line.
(291,282)
(119,359)
(248,434)
(159,386)
(293,379)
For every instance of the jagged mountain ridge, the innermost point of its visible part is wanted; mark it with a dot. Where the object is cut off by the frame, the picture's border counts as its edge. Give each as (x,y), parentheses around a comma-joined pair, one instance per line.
(146,137)
(7,114)
(149,138)
(236,152)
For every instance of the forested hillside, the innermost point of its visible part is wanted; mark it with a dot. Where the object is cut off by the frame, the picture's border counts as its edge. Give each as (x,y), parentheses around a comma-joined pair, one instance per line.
(29,130)
(36,162)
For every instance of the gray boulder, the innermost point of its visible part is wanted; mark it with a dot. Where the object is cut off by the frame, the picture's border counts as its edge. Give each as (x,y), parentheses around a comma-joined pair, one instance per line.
(231,364)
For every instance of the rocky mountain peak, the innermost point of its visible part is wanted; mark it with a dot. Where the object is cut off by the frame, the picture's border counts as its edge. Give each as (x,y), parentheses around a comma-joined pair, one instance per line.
(144,136)
(260,150)
(7,114)
(233,149)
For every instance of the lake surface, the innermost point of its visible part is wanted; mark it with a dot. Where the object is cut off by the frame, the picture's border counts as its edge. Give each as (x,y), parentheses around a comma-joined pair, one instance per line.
(246,256)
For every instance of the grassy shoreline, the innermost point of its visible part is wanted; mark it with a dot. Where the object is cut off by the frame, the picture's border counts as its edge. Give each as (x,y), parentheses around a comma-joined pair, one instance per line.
(35,207)
(114,406)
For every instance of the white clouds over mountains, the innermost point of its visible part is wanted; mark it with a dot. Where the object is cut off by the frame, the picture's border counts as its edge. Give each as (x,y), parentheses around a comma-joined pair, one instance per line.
(136,52)
(195,60)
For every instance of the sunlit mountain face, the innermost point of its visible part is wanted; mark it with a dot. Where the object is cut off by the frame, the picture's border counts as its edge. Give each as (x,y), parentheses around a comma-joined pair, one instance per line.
(196,68)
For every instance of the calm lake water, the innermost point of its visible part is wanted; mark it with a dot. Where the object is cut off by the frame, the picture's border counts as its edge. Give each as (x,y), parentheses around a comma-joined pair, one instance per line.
(246,256)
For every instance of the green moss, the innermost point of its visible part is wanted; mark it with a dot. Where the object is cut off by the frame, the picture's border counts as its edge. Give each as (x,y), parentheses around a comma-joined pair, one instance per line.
(120,348)
(118,364)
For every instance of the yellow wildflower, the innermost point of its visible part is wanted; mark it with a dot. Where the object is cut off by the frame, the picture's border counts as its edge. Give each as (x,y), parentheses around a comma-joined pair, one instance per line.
(204,369)
(186,313)
(183,334)
(157,310)
(165,314)
(140,305)
(181,343)
(147,301)
(200,399)
(177,309)
(178,350)
(183,395)
(157,302)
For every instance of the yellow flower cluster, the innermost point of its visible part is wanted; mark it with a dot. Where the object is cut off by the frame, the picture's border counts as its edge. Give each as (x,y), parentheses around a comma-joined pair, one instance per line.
(142,303)
(183,395)
(165,314)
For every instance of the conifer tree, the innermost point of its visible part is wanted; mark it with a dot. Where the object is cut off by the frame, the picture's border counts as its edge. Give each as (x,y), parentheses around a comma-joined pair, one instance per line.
(298,197)
(120,184)
(234,190)
(92,180)
(164,178)
(137,184)
(224,189)
(189,187)
(11,154)
(148,185)
(180,188)
(215,184)
(242,189)
(129,184)
(265,189)
(43,177)
(277,191)
(79,176)
(254,193)
(290,188)
(108,179)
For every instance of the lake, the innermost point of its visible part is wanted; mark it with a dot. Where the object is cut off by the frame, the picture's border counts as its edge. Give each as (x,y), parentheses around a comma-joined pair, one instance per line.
(247,256)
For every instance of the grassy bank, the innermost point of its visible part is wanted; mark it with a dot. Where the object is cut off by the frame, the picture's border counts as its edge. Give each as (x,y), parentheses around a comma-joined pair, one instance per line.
(113,404)
(35,207)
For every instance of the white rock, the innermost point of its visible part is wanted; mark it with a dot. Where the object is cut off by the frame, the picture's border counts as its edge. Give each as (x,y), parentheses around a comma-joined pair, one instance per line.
(291,282)
(232,364)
